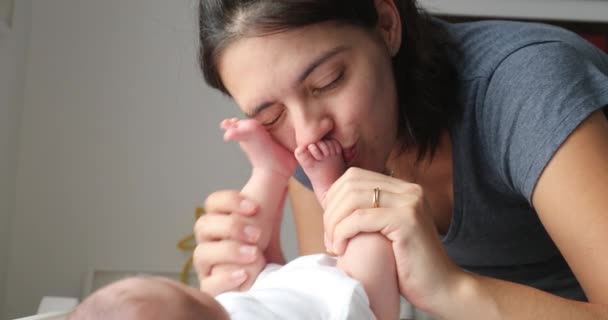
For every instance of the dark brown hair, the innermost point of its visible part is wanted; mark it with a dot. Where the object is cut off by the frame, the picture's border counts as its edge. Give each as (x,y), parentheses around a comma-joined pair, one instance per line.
(425,79)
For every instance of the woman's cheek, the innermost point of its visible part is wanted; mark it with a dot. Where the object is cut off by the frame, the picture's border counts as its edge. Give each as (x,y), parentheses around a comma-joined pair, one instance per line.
(286,137)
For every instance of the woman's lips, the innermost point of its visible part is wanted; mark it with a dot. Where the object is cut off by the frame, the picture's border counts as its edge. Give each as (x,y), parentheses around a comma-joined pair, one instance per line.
(349,154)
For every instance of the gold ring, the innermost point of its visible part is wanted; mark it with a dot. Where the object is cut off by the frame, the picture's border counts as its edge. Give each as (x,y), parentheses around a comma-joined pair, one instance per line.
(376,198)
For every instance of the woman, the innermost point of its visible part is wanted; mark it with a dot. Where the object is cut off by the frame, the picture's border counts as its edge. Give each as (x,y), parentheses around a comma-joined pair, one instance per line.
(486,141)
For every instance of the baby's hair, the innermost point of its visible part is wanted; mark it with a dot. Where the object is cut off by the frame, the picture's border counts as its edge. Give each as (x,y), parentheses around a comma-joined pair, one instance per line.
(122,304)
(126,304)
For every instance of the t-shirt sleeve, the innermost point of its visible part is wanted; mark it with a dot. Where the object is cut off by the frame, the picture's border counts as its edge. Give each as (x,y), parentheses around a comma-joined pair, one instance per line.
(534,100)
(302,177)
(357,307)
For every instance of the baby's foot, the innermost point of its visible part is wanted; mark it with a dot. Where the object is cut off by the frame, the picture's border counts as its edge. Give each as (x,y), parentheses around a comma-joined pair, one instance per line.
(323,164)
(261,149)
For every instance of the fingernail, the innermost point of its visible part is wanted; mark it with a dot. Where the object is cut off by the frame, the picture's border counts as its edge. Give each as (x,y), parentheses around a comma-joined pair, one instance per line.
(247,205)
(248,251)
(252,233)
(239,275)
(340,247)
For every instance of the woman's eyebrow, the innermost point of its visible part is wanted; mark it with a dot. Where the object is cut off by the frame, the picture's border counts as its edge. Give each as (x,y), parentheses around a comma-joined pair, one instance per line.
(258,109)
(319,61)
(311,67)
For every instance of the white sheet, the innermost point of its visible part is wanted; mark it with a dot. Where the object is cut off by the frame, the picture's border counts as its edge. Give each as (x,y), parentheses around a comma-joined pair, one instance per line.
(47,316)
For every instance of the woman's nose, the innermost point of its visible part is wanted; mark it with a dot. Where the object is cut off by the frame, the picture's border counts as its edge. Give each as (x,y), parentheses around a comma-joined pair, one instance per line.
(311,130)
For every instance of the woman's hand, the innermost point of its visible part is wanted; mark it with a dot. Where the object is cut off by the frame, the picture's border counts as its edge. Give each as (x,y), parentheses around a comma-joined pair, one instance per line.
(227,257)
(425,272)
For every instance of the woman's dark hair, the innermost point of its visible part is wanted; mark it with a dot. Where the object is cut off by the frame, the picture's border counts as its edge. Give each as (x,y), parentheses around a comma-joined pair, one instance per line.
(425,79)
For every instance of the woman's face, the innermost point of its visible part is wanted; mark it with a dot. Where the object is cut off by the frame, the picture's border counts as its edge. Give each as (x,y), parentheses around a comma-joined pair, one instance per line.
(321,81)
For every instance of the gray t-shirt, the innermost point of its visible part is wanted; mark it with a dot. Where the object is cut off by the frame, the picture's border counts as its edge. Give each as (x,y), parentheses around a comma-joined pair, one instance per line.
(523,89)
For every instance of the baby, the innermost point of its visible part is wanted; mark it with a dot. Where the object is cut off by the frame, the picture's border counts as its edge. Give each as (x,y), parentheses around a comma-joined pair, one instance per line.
(309,287)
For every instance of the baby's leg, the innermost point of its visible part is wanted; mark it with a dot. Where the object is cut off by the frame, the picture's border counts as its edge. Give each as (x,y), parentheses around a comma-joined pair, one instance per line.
(272,165)
(369,257)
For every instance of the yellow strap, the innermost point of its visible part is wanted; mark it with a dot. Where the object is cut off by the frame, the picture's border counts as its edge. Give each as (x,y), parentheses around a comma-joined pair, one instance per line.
(189,244)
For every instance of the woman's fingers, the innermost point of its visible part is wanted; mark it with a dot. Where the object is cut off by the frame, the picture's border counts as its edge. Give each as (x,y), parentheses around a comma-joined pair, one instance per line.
(209,257)
(226,243)
(383,220)
(360,177)
(231,277)
(214,227)
(366,180)
(358,197)
(209,254)
(252,271)
(337,206)
(224,280)
(403,216)
(229,201)
(354,191)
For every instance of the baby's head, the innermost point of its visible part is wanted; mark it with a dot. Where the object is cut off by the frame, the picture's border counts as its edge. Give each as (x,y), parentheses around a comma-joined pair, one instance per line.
(148,298)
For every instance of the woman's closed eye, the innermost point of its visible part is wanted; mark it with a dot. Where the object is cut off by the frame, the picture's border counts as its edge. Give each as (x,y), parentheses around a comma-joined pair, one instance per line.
(273,121)
(332,84)
(272,115)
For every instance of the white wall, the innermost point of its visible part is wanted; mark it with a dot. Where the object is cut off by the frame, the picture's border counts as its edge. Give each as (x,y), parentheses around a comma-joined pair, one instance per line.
(13,46)
(119,142)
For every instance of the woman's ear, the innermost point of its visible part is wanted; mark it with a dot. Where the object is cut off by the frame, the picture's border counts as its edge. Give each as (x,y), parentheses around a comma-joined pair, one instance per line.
(389,24)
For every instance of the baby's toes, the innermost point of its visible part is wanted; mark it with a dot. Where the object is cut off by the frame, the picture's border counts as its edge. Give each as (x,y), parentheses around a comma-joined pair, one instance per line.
(316,152)
(252,127)
(229,123)
(304,157)
(330,148)
(336,147)
(325,148)
(232,134)
(225,124)
(239,132)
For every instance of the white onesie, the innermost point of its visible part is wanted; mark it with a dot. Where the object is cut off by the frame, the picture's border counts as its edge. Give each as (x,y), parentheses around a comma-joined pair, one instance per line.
(309,287)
